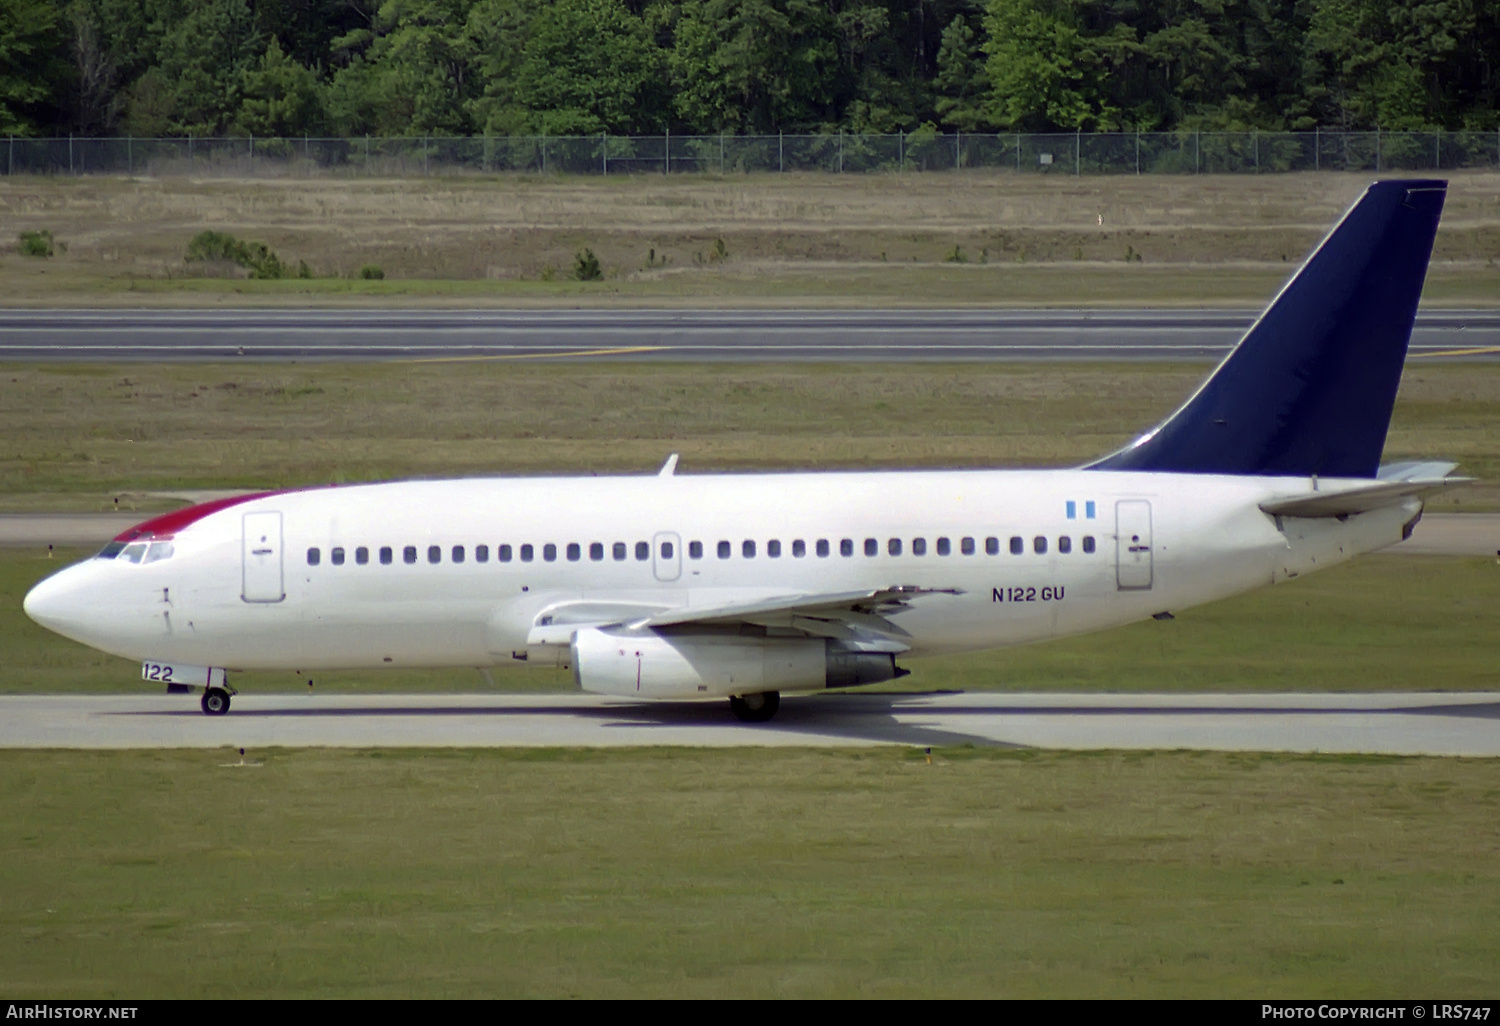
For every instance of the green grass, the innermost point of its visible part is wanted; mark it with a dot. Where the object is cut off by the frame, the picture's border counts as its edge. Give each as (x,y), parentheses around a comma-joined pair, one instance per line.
(75,437)
(756,873)
(1380,623)
(815,286)
(799,239)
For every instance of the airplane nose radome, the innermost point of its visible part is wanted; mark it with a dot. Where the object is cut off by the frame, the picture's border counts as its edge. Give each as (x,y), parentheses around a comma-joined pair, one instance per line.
(50,602)
(41,601)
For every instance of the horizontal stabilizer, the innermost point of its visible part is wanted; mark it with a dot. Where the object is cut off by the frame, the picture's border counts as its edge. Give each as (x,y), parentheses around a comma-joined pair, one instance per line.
(1396,482)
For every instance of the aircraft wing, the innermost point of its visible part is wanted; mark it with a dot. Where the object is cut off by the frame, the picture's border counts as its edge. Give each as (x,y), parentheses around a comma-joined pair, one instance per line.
(858,618)
(1395,482)
(833,605)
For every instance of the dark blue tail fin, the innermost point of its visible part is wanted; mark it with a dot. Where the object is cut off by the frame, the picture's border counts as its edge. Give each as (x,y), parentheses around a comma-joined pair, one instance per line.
(1310,387)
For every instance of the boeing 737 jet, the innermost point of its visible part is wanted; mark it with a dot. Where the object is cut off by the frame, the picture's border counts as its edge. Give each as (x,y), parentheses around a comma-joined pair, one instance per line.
(748,586)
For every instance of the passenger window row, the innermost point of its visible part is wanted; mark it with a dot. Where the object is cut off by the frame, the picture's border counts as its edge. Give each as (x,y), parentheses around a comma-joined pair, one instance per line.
(621,551)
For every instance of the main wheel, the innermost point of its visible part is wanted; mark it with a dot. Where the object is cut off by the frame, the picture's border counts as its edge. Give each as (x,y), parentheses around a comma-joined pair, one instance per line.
(756,708)
(215,702)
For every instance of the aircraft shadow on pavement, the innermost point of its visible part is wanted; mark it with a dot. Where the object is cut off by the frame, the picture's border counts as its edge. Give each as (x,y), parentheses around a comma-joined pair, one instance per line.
(855,717)
(864,717)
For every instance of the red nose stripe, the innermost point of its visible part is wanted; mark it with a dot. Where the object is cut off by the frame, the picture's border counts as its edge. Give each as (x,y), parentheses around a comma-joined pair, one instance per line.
(169,524)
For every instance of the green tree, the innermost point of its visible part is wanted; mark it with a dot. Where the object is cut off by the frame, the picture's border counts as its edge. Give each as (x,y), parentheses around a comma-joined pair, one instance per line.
(281,97)
(409,74)
(754,65)
(1044,71)
(588,67)
(1400,65)
(961,80)
(33,65)
(205,60)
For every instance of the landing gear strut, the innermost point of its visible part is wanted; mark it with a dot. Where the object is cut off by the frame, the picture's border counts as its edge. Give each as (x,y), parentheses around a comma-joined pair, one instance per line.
(756,708)
(215,702)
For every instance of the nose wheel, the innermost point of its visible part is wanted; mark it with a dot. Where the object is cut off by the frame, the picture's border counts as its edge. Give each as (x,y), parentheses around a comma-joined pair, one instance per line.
(756,708)
(215,702)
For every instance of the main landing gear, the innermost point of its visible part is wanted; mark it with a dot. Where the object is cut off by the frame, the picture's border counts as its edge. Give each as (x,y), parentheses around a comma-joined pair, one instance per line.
(756,708)
(215,701)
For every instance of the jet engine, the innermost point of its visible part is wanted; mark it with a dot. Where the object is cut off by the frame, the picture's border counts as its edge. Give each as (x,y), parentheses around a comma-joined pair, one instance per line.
(701,665)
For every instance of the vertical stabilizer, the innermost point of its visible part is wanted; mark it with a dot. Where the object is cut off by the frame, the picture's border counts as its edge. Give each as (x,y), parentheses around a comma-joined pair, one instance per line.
(1309,389)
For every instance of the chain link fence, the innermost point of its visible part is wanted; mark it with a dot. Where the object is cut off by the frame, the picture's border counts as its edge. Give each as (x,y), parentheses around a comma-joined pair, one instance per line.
(1054,153)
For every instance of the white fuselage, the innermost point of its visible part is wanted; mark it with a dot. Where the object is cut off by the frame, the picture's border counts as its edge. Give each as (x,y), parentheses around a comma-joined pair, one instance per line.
(243,589)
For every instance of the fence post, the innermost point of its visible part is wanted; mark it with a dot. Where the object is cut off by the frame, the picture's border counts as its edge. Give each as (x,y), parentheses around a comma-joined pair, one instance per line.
(252,154)
(1255,138)
(129,156)
(1437,150)
(604,151)
(1018,151)
(721,153)
(306,154)
(1197,151)
(1317,148)
(367,154)
(192,167)
(70,153)
(1077,151)
(1137,151)
(424,154)
(10,158)
(666,164)
(841,151)
(958,150)
(1377,147)
(900,150)
(780,152)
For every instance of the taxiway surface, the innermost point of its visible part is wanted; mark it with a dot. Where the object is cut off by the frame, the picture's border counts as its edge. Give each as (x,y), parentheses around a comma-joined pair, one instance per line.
(1450,724)
(698,335)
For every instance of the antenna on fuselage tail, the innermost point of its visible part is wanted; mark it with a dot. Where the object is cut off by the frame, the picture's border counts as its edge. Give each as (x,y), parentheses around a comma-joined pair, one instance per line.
(1309,389)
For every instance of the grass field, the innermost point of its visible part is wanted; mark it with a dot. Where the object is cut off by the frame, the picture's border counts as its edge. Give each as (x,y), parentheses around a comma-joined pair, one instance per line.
(80,437)
(689,873)
(1380,623)
(755,873)
(972,238)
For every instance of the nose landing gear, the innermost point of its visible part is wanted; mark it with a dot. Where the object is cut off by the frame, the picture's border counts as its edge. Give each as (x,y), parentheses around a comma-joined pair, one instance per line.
(215,701)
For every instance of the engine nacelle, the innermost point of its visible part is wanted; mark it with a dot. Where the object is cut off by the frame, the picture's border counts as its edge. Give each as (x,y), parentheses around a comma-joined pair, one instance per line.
(651,665)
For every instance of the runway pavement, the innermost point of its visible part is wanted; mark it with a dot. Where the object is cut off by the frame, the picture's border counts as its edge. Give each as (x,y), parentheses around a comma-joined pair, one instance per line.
(1438,534)
(698,335)
(1448,724)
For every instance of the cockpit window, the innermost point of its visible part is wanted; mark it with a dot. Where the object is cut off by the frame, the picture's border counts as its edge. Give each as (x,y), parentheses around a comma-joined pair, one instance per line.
(133,552)
(111,550)
(158,551)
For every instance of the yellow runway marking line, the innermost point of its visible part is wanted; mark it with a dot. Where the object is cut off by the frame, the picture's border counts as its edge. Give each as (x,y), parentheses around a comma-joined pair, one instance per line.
(1476,351)
(613,351)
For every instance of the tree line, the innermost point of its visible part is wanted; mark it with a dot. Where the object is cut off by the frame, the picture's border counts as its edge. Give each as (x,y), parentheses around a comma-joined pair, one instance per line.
(579,67)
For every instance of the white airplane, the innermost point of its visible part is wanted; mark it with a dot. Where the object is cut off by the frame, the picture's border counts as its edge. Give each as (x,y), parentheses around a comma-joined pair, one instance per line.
(749,585)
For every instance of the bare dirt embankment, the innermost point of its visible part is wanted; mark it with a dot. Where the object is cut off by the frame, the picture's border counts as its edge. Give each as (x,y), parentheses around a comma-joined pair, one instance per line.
(942,239)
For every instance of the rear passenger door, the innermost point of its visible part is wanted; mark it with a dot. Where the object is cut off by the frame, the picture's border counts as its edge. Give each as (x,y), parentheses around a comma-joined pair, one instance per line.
(1133,562)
